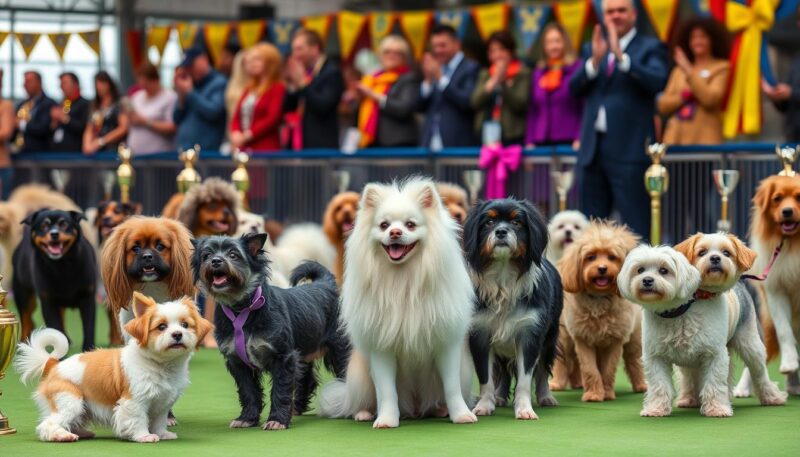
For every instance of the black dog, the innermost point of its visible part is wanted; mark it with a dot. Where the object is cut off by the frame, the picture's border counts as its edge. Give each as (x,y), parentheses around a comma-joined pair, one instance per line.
(283,332)
(519,304)
(55,262)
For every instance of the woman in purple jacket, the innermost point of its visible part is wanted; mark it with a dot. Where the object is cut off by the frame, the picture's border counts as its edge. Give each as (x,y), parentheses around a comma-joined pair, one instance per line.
(554,116)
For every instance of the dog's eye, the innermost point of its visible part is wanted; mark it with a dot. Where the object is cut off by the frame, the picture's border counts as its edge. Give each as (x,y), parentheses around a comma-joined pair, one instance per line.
(233,255)
(162,327)
(136,248)
(561,226)
(384,225)
(204,257)
(612,258)
(63,225)
(640,270)
(516,223)
(159,247)
(663,271)
(702,252)
(411,225)
(777,198)
(591,258)
(726,253)
(490,222)
(185,324)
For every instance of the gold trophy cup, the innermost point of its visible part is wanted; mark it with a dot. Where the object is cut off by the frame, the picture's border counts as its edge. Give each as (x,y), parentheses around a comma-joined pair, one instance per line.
(473,179)
(342,179)
(656,181)
(787,156)
(60,179)
(9,332)
(188,177)
(726,181)
(240,177)
(562,181)
(23,115)
(125,173)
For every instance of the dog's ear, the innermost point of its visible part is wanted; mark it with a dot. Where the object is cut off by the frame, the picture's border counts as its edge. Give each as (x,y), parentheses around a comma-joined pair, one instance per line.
(202,325)
(686,247)
(114,269)
(763,195)
(101,208)
(472,234)
(180,277)
(537,233)
(77,216)
(687,275)
(745,257)
(571,268)
(329,226)
(132,208)
(139,328)
(254,242)
(428,197)
(372,196)
(28,220)
(142,303)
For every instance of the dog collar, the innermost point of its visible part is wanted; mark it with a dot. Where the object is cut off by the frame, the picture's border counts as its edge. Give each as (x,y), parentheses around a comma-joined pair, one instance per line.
(704,295)
(257,302)
(763,276)
(676,312)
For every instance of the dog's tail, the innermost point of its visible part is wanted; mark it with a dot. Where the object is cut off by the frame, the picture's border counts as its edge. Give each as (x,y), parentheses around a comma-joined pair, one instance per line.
(33,360)
(310,271)
(345,398)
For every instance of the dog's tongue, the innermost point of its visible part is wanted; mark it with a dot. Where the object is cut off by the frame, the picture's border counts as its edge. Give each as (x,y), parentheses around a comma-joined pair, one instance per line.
(220,280)
(55,249)
(602,282)
(789,226)
(347,226)
(221,226)
(396,251)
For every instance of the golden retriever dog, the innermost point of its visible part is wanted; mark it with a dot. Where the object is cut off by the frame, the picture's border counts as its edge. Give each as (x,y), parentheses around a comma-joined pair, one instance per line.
(454,198)
(337,223)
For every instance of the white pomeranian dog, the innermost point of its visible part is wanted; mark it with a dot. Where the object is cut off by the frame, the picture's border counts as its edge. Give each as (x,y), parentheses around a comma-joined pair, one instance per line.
(407,301)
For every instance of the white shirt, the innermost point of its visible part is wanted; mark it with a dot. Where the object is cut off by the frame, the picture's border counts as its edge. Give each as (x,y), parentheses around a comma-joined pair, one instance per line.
(624,66)
(143,140)
(447,72)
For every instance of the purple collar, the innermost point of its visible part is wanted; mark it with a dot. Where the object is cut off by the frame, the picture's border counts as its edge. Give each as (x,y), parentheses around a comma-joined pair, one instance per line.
(258,301)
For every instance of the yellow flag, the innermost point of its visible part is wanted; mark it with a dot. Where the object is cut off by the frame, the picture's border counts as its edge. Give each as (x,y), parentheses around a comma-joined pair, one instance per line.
(350,26)
(187,32)
(28,42)
(157,36)
(573,16)
(250,32)
(416,25)
(59,41)
(92,39)
(490,18)
(662,15)
(320,24)
(216,35)
(380,25)
(3,36)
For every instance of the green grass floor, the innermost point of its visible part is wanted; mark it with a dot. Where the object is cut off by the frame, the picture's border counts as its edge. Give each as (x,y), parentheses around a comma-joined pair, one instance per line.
(572,429)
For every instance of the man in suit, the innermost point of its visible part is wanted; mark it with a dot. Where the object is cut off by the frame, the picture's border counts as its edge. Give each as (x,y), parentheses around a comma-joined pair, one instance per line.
(68,120)
(786,98)
(34,125)
(449,79)
(315,87)
(619,80)
(200,111)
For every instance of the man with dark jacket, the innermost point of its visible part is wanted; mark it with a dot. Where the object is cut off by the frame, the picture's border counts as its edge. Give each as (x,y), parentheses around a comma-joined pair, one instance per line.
(68,120)
(200,111)
(33,115)
(786,95)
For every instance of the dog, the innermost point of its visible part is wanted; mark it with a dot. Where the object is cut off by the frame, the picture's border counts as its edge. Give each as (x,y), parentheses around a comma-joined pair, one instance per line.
(406,304)
(603,325)
(210,208)
(515,327)
(337,223)
(130,388)
(268,329)
(677,330)
(254,223)
(173,205)
(301,242)
(55,262)
(455,200)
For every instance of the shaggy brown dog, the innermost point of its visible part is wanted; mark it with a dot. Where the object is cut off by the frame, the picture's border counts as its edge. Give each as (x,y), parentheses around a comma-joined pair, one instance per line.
(172,206)
(210,208)
(337,222)
(603,325)
(455,200)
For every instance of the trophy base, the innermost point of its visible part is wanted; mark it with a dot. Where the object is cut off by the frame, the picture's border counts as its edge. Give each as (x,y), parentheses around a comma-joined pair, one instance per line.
(4,428)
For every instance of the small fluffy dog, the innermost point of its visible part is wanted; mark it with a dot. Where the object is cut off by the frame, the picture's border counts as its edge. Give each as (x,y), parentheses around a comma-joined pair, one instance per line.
(455,200)
(564,228)
(406,304)
(337,223)
(110,214)
(55,262)
(129,389)
(691,328)
(515,326)
(268,329)
(301,242)
(210,208)
(603,325)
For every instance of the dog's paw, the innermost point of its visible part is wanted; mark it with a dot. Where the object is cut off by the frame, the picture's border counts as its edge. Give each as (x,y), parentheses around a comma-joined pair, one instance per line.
(240,423)
(84,434)
(500,402)
(789,365)
(364,416)
(273,425)
(149,438)
(386,422)
(168,436)
(64,436)
(772,396)
(548,401)
(793,390)
(592,396)
(483,408)
(651,411)
(640,388)
(716,411)
(171,421)
(609,394)
(688,402)
(466,417)
(525,414)
(741,392)
(557,386)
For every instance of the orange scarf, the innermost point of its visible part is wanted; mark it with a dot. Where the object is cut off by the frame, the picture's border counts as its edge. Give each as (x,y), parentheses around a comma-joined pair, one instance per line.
(551,78)
(380,82)
(511,72)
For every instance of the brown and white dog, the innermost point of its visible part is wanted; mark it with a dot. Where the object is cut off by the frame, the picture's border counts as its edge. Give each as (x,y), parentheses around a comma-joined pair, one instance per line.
(130,389)
(337,223)
(210,208)
(455,201)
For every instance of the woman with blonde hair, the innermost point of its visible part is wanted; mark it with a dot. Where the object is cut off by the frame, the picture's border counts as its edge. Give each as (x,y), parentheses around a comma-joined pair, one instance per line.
(257,118)
(237,83)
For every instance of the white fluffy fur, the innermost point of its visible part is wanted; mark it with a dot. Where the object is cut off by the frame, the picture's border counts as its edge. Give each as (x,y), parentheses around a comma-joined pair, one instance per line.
(566,222)
(298,243)
(254,223)
(407,319)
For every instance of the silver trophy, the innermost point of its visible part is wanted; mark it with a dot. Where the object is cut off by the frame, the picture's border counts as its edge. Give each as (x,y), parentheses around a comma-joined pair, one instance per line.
(726,182)
(562,181)
(108,179)
(60,179)
(787,156)
(342,180)
(473,180)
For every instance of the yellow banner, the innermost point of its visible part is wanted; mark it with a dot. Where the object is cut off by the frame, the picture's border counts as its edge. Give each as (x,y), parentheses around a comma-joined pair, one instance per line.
(380,25)
(187,33)
(490,18)
(416,25)
(60,41)
(320,24)
(216,35)
(349,27)
(157,37)
(92,39)
(250,32)
(573,16)
(28,42)
(3,36)
(662,15)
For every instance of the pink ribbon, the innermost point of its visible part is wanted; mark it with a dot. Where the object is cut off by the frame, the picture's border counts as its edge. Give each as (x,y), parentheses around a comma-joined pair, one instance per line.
(292,131)
(497,160)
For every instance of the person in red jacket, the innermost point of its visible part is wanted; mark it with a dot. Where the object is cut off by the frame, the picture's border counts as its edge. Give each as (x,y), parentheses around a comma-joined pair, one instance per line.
(257,118)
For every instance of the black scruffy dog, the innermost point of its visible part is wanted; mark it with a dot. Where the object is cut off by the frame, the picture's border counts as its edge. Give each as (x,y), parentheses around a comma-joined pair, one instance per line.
(260,328)
(519,304)
(55,262)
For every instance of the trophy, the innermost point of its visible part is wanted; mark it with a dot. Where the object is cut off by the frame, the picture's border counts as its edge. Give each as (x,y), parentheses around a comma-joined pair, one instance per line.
(188,177)
(562,181)
(240,177)
(107,179)
(60,179)
(787,156)
(473,179)
(9,332)
(726,181)
(125,173)
(23,116)
(656,181)
(342,179)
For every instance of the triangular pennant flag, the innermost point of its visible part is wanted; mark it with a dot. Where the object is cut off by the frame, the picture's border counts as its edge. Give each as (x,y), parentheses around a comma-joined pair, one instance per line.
(157,37)
(92,39)
(28,42)
(216,35)
(280,33)
(187,34)
(349,28)
(250,32)
(490,18)
(380,25)
(59,41)
(457,19)
(3,36)
(133,38)
(573,15)
(320,24)
(530,20)
(701,7)
(416,25)
(662,15)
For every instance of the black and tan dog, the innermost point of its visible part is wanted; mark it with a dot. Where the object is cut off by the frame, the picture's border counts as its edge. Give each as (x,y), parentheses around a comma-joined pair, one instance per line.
(55,262)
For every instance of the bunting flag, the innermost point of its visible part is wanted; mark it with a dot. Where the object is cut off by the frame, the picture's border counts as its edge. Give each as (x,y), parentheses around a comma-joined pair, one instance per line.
(157,37)
(662,15)
(133,39)
(59,41)
(187,34)
(457,19)
(416,26)
(380,25)
(490,18)
(320,24)
(573,15)
(749,22)
(216,36)
(597,5)
(92,39)
(530,20)
(28,42)
(280,33)
(250,32)
(349,27)
(3,36)
(701,7)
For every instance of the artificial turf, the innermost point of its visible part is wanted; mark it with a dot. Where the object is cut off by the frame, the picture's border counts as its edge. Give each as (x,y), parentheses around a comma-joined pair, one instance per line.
(571,429)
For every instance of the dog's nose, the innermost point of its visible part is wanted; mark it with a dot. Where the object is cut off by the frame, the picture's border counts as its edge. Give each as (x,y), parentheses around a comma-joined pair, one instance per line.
(568,234)
(458,217)
(54,234)
(648,282)
(177,336)
(501,233)
(147,255)
(602,269)
(216,261)
(107,220)
(787,212)
(395,233)
(715,259)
